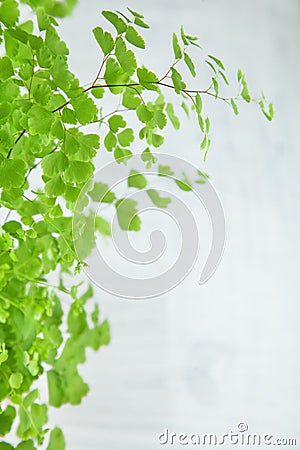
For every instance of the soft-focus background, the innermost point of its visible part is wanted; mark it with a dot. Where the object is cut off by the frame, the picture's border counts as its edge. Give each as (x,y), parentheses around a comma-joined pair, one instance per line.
(204,358)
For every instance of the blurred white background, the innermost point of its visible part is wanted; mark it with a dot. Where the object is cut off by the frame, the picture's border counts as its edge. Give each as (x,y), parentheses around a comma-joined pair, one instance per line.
(204,358)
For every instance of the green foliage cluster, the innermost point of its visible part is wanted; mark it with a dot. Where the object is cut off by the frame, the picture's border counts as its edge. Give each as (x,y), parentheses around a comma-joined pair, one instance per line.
(43,112)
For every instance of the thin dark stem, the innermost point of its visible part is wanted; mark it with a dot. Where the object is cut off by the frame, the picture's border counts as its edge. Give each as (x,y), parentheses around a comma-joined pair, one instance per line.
(170,69)
(191,98)
(190,91)
(16,141)
(100,69)
(105,117)
(31,79)
(63,105)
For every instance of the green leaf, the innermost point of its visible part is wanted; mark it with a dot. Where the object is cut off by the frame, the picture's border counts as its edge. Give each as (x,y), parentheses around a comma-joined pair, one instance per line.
(45,57)
(5,110)
(59,9)
(71,146)
(6,446)
(26,445)
(31,397)
(144,114)
(198,101)
(3,354)
(71,193)
(207,124)
(135,14)
(7,418)
(165,171)
(148,158)
(43,19)
(74,387)
(217,61)
(203,143)
(157,140)
(6,68)
(31,423)
(239,75)
(179,85)
(216,87)
(104,39)
(110,141)
(127,214)
(27,26)
(57,129)
(101,193)
(130,99)
(9,13)
(136,179)
(271,110)
(124,16)
(268,114)
(140,23)
(56,393)
(54,43)
(98,92)
(201,123)
(173,118)
(160,119)
(211,66)
(190,64)
(87,146)
(55,187)
(57,440)
(245,92)
(39,91)
(185,109)
(54,163)
(207,148)
(15,380)
(134,37)
(234,107)
(183,37)
(147,79)
(224,77)
(85,109)
(116,122)
(126,137)
(161,202)
(19,35)
(115,20)
(122,155)
(103,227)
(12,173)
(125,57)
(35,42)
(192,40)
(115,76)
(176,47)
(79,172)
(39,120)
(184,184)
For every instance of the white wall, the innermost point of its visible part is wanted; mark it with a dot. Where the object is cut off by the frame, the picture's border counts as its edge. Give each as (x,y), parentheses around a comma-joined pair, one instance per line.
(202,359)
